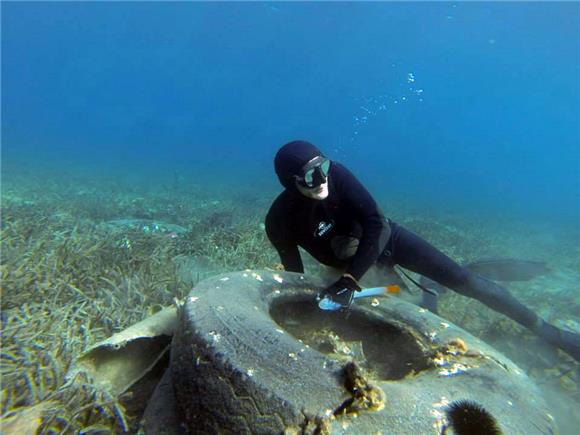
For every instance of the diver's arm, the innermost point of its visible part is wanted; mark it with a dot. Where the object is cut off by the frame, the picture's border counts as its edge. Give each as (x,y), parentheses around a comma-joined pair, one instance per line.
(376,230)
(287,250)
(290,258)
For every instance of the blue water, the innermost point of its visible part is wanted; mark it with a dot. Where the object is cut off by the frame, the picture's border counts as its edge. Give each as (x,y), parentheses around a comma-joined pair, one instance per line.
(471,107)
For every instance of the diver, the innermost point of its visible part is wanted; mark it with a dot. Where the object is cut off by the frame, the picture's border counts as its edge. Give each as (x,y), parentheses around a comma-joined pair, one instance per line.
(326,211)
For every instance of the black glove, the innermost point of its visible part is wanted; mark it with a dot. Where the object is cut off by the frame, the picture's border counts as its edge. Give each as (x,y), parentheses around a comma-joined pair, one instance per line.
(342,291)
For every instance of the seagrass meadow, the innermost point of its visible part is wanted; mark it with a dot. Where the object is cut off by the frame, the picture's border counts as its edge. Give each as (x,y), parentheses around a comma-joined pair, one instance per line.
(83,258)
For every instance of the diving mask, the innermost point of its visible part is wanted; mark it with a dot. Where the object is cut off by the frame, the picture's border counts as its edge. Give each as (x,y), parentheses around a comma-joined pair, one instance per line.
(314,172)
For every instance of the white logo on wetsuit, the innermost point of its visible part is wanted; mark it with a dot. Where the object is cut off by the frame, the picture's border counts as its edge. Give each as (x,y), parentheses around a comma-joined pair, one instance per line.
(323,228)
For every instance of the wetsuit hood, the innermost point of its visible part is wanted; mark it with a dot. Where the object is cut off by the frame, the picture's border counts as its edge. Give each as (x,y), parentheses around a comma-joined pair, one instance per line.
(291,158)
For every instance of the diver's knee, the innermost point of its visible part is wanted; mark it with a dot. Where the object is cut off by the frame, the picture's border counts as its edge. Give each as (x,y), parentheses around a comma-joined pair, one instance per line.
(467,282)
(462,276)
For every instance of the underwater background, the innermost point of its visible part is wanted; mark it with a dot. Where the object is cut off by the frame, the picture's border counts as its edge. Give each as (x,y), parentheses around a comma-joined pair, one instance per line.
(137,158)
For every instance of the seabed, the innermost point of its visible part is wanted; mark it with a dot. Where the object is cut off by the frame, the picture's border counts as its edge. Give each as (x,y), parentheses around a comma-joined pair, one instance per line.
(82,259)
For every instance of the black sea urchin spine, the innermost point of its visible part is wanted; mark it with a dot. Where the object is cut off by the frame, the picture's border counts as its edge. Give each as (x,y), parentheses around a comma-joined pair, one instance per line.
(469,418)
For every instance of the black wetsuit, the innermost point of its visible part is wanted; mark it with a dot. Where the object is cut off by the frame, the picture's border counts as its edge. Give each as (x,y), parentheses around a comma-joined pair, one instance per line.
(348,217)
(348,230)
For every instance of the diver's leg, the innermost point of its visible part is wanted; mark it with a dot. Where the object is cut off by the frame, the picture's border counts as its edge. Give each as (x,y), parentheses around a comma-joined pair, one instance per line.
(498,298)
(408,250)
(414,253)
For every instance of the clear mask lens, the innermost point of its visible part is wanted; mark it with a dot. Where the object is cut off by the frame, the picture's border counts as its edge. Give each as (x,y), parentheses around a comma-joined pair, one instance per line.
(322,167)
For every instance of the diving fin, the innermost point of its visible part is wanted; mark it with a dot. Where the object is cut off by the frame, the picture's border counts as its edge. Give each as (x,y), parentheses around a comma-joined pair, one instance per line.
(498,269)
(429,299)
(508,269)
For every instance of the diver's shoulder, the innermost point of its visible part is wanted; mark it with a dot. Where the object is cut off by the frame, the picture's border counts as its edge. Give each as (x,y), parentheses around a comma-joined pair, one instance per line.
(341,173)
(281,204)
(277,217)
(340,170)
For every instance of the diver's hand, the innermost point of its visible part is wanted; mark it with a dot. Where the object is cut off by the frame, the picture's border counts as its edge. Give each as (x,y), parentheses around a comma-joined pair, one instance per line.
(342,291)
